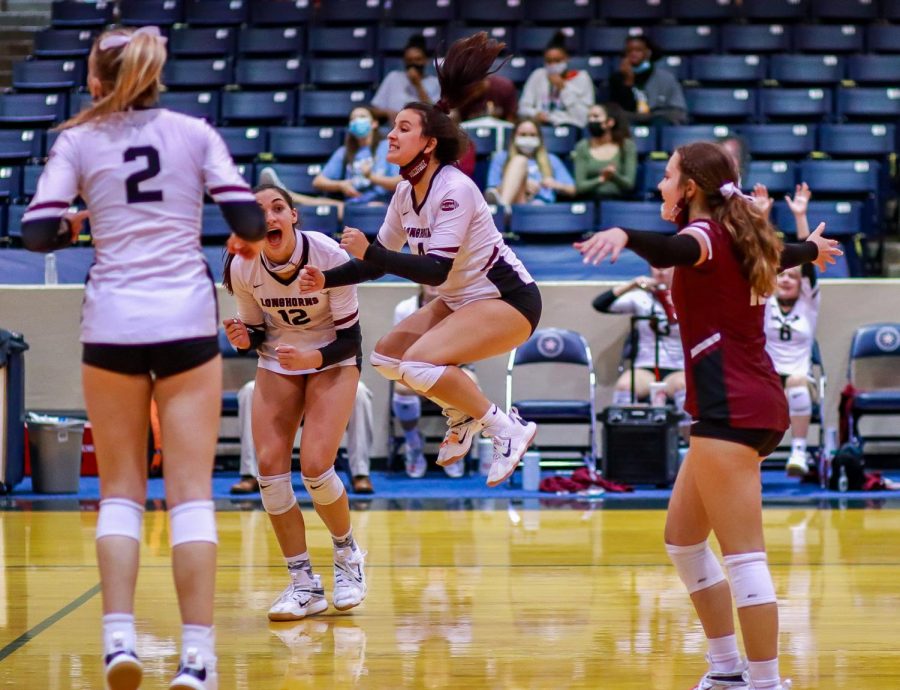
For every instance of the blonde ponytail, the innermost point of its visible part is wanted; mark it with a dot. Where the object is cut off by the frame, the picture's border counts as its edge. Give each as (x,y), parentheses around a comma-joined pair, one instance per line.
(130,74)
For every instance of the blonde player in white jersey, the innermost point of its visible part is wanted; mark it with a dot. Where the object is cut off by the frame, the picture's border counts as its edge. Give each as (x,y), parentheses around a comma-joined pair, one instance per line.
(148,327)
(309,361)
(488,304)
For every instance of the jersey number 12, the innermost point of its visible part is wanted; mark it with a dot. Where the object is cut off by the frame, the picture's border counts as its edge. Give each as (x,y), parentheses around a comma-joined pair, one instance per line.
(132,190)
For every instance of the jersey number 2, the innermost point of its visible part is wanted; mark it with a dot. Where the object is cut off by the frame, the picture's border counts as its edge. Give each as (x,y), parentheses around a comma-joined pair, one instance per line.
(132,191)
(295,317)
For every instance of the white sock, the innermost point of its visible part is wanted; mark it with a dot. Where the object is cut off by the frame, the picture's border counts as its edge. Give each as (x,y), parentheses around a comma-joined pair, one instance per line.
(495,422)
(299,564)
(122,623)
(723,654)
(203,638)
(621,398)
(764,675)
(345,542)
(798,445)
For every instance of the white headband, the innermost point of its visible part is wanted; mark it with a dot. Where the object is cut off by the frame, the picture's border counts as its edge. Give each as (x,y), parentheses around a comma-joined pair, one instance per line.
(119,40)
(729,189)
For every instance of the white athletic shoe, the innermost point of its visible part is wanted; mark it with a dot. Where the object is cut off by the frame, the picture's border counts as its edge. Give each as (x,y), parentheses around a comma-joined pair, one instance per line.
(738,679)
(797,464)
(509,449)
(458,439)
(122,668)
(456,470)
(193,674)
(268,176)
(415,464)
(303,597)
(349,578)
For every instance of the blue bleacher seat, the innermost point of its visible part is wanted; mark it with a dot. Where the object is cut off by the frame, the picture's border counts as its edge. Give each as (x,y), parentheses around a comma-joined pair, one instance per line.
(673,137)
(573,218)
(284,72)
(213,224)
(822,70)
(533,40)
(559,261)
(795,104)
(10,182)
(780,177)
(828,38)
(215,12)
(779,140)
(351,12)
(392,40)
(883,38)
(561,139)
(150,12)
(78,101)
(49,43)
(390,63)
(632,11)
(202,104)
(305,143)
(48,75)
(720,104)
(365,217)
(841,218)
(711,69)
(332,107)
(756,38)
(72,13)
(679,65)
(210,73)
(499,32)
(874,69)
(649,175)
(776,10)
(607,40)
(14,222)
(690,11)
(516,69)
(244,143)
(684,39)
(30,175)
(558,11)
(857,139)
(349,40)
(850,11)
(271,41)
(422,12)
(633,215)
(868,103)
(343,72)
(500,11)
(3,222)
(19,145)
(22,267)
(206,42)
(598,67)
(275,107)
(280,13)
(841,177)
(322,218)
(25,108)
(298,177)
(645,138)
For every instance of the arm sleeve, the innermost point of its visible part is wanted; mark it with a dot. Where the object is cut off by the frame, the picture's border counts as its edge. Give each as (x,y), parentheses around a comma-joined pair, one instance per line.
(625,176)
(43,226)
(429,269)
(603,301)
(797,253)
(334,168)
(230,191)
(663,251)
(353,272)
(346,344)
(578,96)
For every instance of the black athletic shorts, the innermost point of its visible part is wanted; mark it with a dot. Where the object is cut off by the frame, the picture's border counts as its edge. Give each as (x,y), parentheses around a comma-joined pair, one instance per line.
(527,300)
(763,441)
(160,359)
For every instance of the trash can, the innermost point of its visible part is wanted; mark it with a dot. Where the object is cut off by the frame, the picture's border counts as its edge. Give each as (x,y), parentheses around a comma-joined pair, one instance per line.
(55,447)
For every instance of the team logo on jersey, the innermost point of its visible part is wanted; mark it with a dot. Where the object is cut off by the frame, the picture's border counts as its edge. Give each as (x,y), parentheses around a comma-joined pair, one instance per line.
(288,301)
(887,338)
(550,345)
(418,232)
(449,205)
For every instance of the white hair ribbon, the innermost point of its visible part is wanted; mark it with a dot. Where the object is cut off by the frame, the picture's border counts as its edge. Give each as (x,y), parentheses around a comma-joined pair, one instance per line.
(119,40)
(729,189)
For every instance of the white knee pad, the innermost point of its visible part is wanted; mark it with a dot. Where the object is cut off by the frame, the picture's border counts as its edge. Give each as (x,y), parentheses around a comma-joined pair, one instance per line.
(326,488)
(386,366)
(751,581)
(621,398)
(277,493)
(193,521)
(119,517)
(421,376)
(697,566)
(407,408)
(799,401)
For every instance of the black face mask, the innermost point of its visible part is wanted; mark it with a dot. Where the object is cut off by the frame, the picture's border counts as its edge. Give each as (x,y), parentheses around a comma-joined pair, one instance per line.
(419,68)
(597,129)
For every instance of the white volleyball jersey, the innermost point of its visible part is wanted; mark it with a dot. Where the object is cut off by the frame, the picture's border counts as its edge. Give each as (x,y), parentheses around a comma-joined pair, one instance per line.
(454,222)
(671,353)
(142,175)
(308,322)
(790,336)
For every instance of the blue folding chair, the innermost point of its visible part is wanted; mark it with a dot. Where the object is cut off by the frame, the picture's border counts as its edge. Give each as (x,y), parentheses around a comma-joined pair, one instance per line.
(32,108)
(215,12)
(351,12)
(348,40)
(721,104)
(824,70)
(857,139)
(244,143)
(202,104)
(849,11)
(756,38)
(273,107)
(795,104)
(20,145)
(567,350)
(874,372)
(533,40)
(274,73)
(392,40)
(558,11)
(636,12)
(422,12)
(883,38)
(343,72)
(607,40)
(150,12)
(779,140)
(868,103)
(841,218)
(10,183)
(776,10)
(305,143)
(544,220)
(482,11)
(685,40)
(280,13)
(332,107)
(828,38)
(675,136)
(634,215)
(323,218)
(365,217)
(645,138)
(874,69)
(60,43)
(733,69)
(689,11)
(208,42)
(841,177)
(48,75)
(779,176)
(72,13)
(271,42)
(208,73)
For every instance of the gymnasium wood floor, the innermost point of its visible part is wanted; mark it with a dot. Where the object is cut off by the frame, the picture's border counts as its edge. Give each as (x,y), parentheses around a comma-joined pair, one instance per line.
(501,598)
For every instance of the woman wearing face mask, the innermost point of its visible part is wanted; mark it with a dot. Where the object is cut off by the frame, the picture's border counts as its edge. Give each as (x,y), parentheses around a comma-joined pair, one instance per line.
(726,257)
(527,173)
(358,171)
(644,90)
(399,87)
(606,161)
(487,302)
(555,94)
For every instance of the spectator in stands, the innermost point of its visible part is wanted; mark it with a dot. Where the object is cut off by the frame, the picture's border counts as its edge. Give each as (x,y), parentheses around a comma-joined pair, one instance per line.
(645,90)
(555,94)
(498,98)
(399,87)
(606,161)
(358,171)
(527,173)
(359,440)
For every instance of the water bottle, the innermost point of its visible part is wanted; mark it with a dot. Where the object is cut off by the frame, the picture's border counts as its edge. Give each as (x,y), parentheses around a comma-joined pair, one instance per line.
(485,456)
(50,275)
(531,471)
(843,482)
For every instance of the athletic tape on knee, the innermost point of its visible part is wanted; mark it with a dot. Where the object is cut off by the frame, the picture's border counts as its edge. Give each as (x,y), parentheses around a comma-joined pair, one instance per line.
(193,521)
(799,401)
(697,566)
(326,488)
(750,578)
(407,408)
(277,493)
(119,517)
(386,366)
(421,376)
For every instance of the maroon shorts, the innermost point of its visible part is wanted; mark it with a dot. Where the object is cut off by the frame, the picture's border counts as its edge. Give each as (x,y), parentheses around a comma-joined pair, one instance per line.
(763,441)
